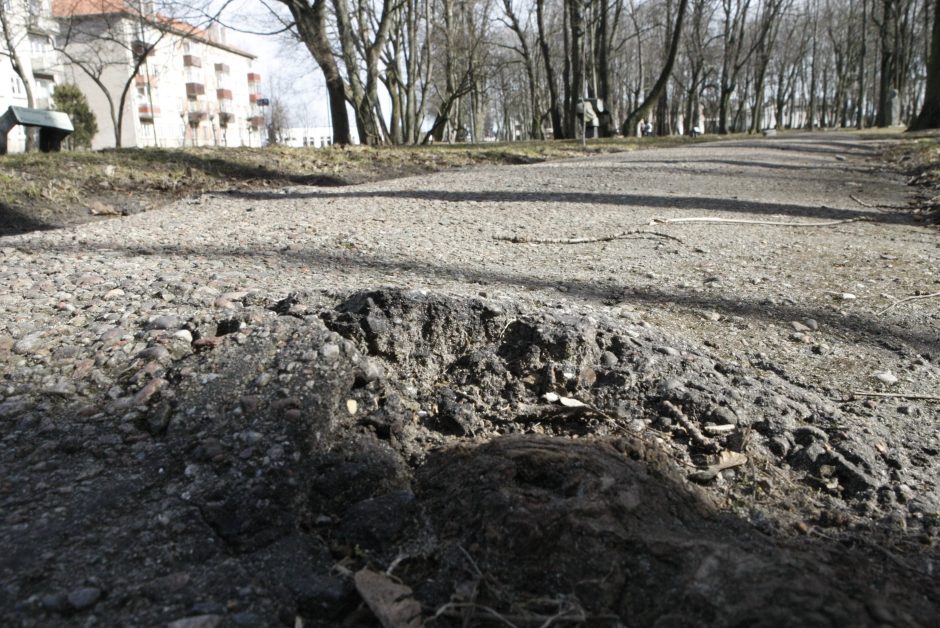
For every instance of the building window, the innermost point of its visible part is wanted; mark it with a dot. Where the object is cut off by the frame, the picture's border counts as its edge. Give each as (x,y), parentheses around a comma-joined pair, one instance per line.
(38,45)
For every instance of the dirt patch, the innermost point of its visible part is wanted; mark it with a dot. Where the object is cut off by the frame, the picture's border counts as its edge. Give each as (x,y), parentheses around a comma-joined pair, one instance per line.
(504,464)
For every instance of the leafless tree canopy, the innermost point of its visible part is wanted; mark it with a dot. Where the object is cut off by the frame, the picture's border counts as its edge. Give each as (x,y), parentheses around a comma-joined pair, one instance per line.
(469,70)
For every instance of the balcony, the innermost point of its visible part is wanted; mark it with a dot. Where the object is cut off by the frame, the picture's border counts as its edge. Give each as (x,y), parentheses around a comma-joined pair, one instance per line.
(195,89)
(146,112)
(42,63)
(226,117)
(192,61)
(223,94)
(256,122)
(253,98)
(254,77)
(221,68)
(196,116)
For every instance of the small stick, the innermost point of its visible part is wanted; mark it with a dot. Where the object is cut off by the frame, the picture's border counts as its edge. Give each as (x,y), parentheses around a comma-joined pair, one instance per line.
(666,221)
(696,434)
(874,393)
(860,201)
(878,207)
(917,297)
(609,238)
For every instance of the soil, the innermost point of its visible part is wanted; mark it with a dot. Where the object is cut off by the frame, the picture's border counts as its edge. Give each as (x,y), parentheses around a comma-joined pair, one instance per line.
(389,404)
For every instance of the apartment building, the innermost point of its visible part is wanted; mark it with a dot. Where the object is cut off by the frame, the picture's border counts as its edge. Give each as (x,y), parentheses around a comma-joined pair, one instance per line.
(185,86)
(308,137)
(32,32)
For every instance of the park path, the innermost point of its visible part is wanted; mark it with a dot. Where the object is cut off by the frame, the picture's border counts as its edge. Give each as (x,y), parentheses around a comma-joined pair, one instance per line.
(158,406)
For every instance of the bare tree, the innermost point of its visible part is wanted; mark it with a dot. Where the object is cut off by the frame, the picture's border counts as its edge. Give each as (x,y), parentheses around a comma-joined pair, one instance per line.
(929,116)
(100,44)
(630,124)
(16,26)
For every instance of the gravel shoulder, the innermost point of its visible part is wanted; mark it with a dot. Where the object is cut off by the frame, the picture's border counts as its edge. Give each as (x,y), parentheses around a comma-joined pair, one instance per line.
(242,409)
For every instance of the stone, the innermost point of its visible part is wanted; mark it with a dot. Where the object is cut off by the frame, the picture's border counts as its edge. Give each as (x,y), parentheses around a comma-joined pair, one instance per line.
(166,321)
(55,602)
(29,344)
(83,598)
(184,335)
(197,621)
(608,358)
(246,618)
(885,377)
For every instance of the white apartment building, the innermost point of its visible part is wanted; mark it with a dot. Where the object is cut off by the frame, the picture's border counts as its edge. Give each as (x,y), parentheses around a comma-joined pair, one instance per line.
(307,136)
(32,30)
(191,89)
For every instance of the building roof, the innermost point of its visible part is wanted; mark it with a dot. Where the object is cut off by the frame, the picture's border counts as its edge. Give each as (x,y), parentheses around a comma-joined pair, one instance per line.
(90,8)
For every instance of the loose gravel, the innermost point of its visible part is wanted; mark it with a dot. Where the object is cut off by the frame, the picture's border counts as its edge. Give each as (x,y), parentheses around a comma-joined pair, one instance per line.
(158,392)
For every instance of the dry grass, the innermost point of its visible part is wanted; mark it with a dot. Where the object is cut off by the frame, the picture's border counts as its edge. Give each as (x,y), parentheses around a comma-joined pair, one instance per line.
(31,181)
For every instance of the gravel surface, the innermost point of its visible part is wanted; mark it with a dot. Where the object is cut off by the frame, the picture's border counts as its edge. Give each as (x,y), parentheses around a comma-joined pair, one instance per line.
(133,350)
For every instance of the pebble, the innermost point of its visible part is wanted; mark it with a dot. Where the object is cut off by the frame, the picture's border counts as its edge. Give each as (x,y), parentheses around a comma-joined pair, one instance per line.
(197,621)
(608,358)
(55,602)
(885,377)
(330,351)
(798,326)
(29,344)
(164,322)
(671,352)
(184,334)
(83,598)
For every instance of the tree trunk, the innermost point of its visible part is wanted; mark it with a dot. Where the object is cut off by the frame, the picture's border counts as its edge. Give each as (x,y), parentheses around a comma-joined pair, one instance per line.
(550,76)
(629,125)
(929,116)
(311,25)
(887,78)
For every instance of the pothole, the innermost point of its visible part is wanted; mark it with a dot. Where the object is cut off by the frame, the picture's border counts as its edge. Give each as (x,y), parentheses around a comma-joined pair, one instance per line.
(515,466)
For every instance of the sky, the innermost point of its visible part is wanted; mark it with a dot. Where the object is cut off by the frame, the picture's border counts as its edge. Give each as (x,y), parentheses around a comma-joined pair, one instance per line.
(287,70)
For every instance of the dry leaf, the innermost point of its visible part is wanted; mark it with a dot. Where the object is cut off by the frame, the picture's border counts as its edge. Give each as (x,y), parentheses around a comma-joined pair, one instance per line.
(392,603)
(726,460)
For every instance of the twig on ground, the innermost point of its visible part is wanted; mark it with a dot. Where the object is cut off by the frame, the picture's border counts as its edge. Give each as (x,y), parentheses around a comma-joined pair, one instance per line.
(694,433)
(526,619)
(875,393)
(450,607)
(878,207)
(741,221)
(636,233)
(917,297)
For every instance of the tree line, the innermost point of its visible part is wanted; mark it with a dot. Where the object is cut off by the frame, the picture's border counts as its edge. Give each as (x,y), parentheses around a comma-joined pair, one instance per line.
(519,68)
